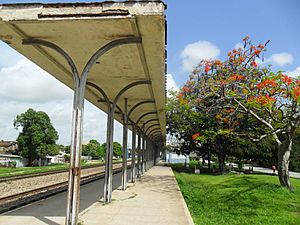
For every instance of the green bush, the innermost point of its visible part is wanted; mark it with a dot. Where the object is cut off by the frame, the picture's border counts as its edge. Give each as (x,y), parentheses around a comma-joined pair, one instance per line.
(13,164)
(240,165)
(67,158)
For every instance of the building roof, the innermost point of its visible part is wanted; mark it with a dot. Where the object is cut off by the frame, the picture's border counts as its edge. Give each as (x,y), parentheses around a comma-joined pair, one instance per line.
(7,144)
(10,156)
(81,29)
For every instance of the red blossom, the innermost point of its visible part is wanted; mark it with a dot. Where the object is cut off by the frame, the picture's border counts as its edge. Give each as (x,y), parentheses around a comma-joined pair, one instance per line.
(180,95)
(250,99)
(185,89)
(225,120)
(194,136)
(269,83)
(254,64)
(241,59)
(207,68)
(288,80)
(236,77)
(218,63)
(296,92)
(264,100)
(183,101)
(261,46)
(230,110)
(257,52)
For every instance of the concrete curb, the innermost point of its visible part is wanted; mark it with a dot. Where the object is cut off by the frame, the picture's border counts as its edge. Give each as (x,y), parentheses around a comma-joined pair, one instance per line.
(186,209)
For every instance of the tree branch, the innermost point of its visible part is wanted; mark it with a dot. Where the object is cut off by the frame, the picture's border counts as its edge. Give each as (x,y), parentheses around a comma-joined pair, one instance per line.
(254,114)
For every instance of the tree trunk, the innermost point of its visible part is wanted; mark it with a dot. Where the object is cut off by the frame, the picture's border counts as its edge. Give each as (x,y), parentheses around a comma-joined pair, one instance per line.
(209,158)
(30,162)
(283,163)
(221,160)
(221,163)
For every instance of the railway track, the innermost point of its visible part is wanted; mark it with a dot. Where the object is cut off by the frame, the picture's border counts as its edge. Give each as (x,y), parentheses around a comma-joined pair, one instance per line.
(17,177)
(16,200)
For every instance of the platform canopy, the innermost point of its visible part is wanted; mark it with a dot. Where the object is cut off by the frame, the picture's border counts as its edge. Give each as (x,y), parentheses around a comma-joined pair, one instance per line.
(81,29)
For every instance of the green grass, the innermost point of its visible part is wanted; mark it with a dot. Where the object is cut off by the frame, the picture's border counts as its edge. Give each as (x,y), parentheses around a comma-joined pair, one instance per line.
(10,172)
(240,199)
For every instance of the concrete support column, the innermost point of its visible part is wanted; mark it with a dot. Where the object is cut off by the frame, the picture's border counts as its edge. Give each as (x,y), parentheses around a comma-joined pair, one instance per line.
(146,153)
(108,173)
(139,155)
(124,150)
(143,153)
(151,153)
(154,154)
(108,158)
(133,154)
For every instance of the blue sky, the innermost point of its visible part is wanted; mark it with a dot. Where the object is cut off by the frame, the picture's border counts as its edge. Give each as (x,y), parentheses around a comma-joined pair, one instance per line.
(225,23)
(197,29)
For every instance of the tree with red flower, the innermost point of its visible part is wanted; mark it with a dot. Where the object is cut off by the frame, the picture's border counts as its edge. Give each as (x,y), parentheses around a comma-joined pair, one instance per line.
(239,83)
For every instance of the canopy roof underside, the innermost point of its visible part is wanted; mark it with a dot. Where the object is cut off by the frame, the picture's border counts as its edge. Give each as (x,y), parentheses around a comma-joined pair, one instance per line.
(81,29)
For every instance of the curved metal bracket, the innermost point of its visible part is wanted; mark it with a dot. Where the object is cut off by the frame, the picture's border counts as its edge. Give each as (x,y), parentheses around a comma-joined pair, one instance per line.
(101,91)
(59,50)
(120,110)
(82,79)
(146,114)
(108,102)
(107,47)
(157,124)
(149,121)
(139,104)
(154,130)
(157,136)
(123,90)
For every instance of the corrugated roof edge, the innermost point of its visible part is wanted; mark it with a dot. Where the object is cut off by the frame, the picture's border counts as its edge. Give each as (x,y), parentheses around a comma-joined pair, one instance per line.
(78,3)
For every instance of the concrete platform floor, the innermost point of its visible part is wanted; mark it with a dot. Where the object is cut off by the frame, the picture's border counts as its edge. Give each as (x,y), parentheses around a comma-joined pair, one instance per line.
(155,199)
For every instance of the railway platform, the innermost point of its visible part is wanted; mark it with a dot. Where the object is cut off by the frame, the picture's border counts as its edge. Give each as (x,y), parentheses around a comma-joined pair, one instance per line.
(155,199)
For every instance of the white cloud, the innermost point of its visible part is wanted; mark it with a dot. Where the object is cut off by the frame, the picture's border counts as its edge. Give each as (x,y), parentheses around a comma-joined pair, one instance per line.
(193,53)
(8,56)
(25,81)
(24,85)
(239,45)
(280,59)
(295,73)
(171,83)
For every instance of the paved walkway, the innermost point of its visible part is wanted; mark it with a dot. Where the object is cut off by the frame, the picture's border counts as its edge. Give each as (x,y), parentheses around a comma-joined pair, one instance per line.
(270,171)
(155,199)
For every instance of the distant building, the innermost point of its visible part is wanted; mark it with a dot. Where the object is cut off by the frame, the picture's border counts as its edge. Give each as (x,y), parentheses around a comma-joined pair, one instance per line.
(172,157)
(8,155)
(8,160)
(8,146)
(48,160)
